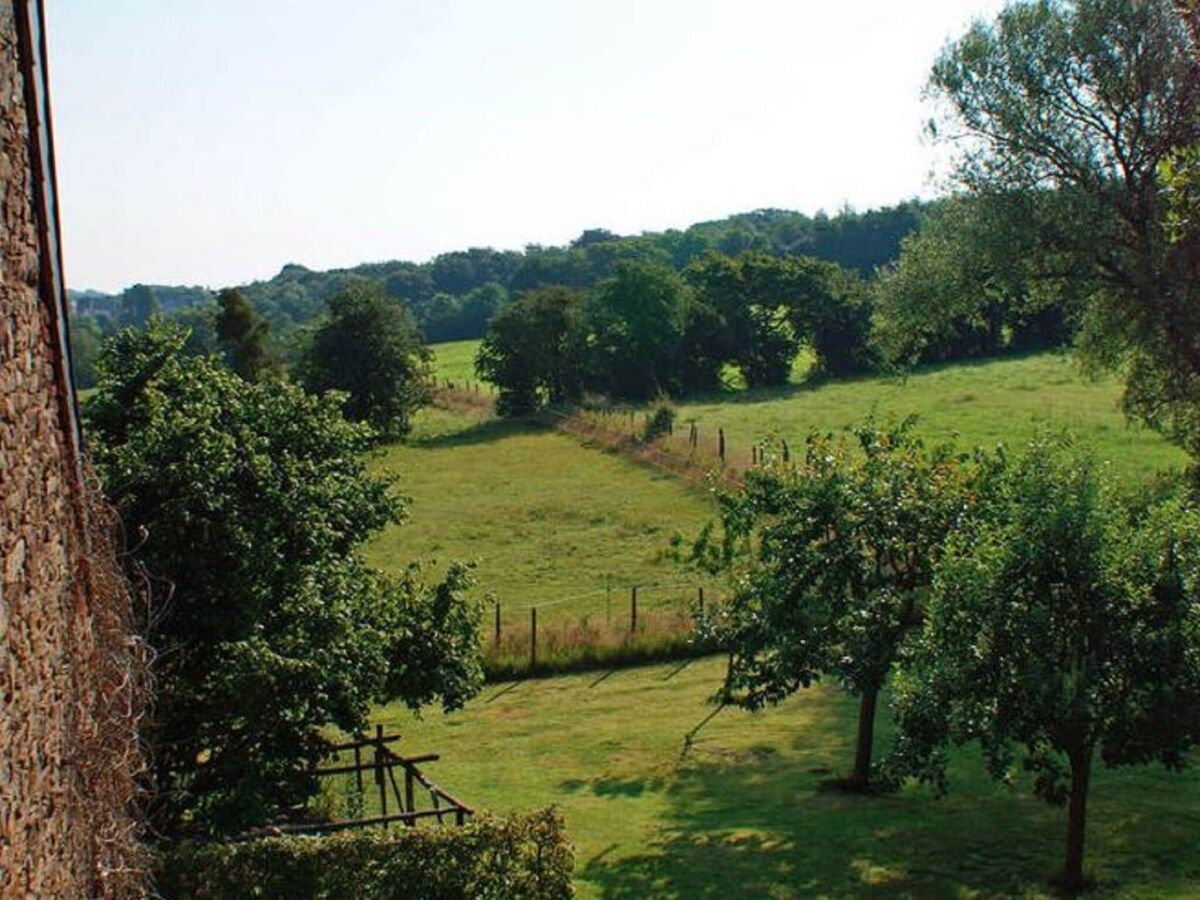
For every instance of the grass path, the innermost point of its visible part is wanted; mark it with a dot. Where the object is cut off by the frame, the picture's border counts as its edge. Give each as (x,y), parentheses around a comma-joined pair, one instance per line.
(547,520)
(741,814)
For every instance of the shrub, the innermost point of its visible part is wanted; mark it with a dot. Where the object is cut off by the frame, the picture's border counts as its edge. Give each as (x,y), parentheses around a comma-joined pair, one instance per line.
(522,856)
(660,422)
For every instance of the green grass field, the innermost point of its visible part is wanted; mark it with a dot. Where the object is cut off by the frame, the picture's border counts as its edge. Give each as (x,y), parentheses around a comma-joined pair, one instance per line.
(455,360)
(986,403)
(550,522)
(742,813)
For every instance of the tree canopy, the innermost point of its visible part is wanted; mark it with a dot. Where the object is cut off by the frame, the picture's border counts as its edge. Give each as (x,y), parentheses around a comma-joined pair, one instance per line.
(1063,626)
(369,349)
(244,505)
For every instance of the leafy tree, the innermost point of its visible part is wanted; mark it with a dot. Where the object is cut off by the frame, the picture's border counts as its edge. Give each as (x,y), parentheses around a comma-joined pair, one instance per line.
(638,318)
(243,335)
(1062,628)
(369,348)
(1083,103)
(830,559)
(534,349)
(751,297)
(246,504)
(138,305)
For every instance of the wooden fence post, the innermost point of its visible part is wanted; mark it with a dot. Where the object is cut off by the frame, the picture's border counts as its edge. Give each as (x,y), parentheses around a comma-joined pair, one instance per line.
(379,779)
(700,591)
(786,455)
(358,767)
(633,609)
(532,637)
(497,623)
(721,443)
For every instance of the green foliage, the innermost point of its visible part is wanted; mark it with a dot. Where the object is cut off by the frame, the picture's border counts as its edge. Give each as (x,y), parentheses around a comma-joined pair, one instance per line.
(1084,102)
(533,351)
(830,559)
(244,505)
(85,336)
(243,336)
(370,350)
(1059,626)
(526,856)
(637,321)
(660,421)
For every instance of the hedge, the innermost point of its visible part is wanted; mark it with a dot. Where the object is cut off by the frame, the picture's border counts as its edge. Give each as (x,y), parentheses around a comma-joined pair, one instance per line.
(522,856)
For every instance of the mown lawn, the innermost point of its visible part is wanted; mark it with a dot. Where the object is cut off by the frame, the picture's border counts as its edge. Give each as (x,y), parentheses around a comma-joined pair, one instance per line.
(742,813)
(551,523)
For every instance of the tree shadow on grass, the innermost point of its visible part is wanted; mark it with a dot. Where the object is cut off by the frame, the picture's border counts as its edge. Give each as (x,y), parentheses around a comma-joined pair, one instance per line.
(755,823)
(482,432)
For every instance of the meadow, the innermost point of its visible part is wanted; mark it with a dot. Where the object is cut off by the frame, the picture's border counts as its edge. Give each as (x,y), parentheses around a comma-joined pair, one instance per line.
(550,523)
(740,809)
(741,812)
(984,403)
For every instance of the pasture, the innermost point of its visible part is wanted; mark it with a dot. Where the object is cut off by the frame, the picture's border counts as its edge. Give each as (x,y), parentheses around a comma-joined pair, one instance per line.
(742,812)
(550,523)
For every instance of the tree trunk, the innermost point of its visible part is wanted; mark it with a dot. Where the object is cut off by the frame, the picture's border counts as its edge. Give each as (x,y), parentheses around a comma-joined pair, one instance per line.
(861,777)
(1081,773)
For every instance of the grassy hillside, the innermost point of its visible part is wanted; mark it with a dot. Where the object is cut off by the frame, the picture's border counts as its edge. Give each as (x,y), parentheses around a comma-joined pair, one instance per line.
(986,402)
(742,813)
(551,523)
(1003,400)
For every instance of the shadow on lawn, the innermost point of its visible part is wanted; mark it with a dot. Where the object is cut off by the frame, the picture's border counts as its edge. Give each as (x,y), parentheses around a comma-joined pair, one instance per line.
(482,432)
(756,824)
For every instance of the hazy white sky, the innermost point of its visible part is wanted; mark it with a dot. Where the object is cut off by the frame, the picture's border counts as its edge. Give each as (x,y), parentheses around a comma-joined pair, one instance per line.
(211,142)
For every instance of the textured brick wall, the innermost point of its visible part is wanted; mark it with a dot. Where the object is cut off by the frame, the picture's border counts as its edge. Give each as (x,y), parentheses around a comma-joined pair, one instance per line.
(65,655)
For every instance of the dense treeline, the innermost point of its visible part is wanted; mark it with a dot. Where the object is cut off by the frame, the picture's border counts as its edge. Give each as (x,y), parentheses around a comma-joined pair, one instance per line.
(649,330)
(454,295)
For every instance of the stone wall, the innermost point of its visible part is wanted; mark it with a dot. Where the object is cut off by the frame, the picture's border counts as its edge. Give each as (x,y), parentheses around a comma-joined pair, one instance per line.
(68,682)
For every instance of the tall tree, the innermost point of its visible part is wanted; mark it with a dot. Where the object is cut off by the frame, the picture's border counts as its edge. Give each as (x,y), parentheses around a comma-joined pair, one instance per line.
(1075,107)
(534,350)
(1063,628)
(370,349)
(243,335)
(829,559)
(247,505)
(638,318)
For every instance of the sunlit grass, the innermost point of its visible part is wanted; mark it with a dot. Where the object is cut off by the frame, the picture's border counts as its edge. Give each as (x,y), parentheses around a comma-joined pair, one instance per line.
(551,523)
(741,813)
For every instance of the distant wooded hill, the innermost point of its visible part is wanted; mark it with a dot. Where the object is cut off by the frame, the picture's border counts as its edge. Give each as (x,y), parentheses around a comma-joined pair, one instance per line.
(453,295)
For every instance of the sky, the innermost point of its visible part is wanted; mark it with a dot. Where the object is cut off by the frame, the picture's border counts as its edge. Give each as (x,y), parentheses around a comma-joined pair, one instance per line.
(212,141)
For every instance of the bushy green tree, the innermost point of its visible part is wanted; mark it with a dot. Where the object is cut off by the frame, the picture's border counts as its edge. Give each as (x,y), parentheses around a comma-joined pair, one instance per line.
(752,297)
(830,559)
(242,333)
(637,321)
(244,505)
(1061,628)
(370,350)
(534,350)
(1084,102)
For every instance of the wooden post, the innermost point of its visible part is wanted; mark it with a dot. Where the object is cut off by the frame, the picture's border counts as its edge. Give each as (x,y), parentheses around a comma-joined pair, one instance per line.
(497,623)
(633,610)
(379,771)
(754,454)
(408,791)
(608,599)
(700,591)
(786,455)
(721,443)
(532,637)
(358,768)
